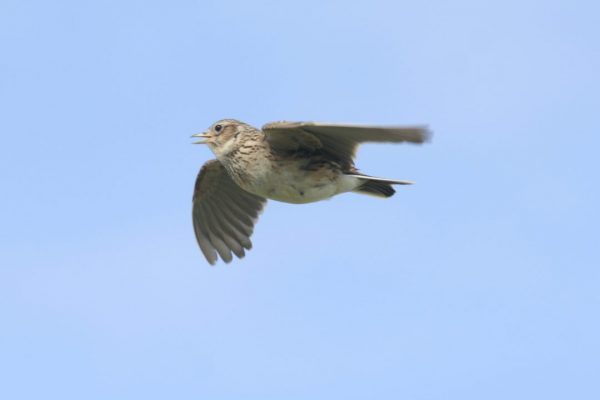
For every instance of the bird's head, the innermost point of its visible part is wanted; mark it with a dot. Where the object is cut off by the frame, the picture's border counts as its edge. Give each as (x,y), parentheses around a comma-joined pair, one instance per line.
(223,136)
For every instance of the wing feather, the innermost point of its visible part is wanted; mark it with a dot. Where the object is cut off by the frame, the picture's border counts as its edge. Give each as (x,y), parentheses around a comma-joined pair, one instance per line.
(338,140)
(223,214)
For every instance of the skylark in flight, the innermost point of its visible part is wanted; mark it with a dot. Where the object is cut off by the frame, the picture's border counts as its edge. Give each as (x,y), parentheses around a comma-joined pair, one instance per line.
(293,162)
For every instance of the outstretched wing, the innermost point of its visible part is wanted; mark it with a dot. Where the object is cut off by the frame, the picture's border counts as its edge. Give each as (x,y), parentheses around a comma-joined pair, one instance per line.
(223,213)
(337,140)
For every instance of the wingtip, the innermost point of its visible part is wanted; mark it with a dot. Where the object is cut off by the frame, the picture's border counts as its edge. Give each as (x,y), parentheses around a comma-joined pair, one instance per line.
(427,135)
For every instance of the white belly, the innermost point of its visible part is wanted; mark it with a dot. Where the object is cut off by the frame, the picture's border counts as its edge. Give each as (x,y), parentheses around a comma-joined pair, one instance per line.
(292,184)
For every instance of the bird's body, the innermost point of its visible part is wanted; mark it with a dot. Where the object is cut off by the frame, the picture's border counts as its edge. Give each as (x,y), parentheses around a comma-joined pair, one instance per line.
(285,161)
(290,181)
(290,178)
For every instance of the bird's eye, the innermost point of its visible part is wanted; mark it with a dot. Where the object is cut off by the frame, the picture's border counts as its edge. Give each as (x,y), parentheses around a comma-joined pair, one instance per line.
(218,128)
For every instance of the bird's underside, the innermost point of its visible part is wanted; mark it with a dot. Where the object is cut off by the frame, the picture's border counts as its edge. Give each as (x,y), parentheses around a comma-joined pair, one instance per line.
(294,162)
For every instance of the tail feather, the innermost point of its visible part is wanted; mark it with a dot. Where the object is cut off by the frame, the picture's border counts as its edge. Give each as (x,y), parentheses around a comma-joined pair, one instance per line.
(379,187)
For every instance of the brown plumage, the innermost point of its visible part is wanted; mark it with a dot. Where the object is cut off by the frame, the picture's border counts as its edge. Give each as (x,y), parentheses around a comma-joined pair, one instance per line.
(294,162)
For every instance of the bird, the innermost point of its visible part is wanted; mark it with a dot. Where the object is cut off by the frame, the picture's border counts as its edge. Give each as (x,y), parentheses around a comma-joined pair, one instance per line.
(291,162)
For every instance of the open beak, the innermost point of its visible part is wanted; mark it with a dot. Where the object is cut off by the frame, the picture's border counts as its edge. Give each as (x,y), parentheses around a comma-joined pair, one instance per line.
(204,135)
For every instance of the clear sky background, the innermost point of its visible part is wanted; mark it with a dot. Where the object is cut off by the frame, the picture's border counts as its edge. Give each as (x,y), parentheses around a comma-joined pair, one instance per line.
(479,282)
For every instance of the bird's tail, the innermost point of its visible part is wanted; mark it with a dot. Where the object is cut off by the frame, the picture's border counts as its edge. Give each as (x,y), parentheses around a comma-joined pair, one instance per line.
(378,187)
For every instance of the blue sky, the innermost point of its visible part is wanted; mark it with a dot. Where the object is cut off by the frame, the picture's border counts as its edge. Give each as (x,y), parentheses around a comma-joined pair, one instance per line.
(480,281)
